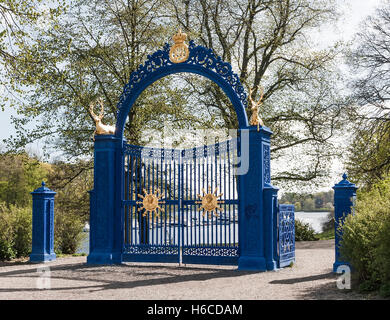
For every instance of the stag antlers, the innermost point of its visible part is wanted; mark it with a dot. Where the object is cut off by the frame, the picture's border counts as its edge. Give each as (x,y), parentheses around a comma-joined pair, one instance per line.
(255,118)
(100,127)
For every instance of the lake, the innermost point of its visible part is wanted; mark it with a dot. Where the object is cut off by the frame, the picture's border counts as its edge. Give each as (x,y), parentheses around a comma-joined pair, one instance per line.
(315,219)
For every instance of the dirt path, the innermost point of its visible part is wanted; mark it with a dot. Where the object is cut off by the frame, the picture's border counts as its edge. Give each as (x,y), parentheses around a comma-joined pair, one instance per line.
(310,278)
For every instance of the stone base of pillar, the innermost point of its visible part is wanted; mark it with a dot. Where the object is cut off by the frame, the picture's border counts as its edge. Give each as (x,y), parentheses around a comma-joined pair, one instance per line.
(42,257)
(252,264)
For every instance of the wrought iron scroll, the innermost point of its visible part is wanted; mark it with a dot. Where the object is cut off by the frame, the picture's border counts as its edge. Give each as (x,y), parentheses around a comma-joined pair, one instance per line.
(198,55)
(286,235)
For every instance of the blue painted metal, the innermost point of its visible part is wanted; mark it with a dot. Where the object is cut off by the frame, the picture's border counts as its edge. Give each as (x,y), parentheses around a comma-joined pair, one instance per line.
(286,235)
(106,216)
(43,225)
(201,61)
(344,201)
(256,237)
(244,234)
(183,229)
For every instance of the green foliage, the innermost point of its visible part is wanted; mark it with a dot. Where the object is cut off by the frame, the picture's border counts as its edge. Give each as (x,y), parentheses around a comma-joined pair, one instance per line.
(68,231)
(19,175)
(91,50)
(326,235)
(71,182)
(320,201)
(369,153)
(6,232)
(22,231)
(366,238)
(328,225)
(15,231)
(304,232)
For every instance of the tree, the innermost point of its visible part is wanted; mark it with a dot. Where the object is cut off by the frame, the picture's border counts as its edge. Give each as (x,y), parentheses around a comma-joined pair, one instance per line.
(369,159)
(97,44)
(17,20)
(269,43)
(90,54)
(20,175)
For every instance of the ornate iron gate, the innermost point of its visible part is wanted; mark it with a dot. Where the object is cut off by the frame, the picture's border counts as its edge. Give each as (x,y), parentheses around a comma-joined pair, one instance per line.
(286,235)
(181,205)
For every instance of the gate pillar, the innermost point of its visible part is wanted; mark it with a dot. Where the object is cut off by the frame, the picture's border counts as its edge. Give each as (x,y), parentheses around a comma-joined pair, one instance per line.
(344,199)
(43,225)
(106,212)
(257,207)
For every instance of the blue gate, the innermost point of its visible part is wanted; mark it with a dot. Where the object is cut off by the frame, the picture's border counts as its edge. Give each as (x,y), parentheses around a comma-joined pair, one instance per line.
(151,204)
(181,205)
(286,235)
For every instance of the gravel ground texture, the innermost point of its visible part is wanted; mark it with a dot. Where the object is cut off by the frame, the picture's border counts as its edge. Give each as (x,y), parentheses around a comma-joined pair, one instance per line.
(311,277)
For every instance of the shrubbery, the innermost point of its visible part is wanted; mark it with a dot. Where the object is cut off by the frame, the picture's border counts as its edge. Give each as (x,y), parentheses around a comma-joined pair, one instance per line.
(68,232)
(304,231)
(365,243)
(15,231)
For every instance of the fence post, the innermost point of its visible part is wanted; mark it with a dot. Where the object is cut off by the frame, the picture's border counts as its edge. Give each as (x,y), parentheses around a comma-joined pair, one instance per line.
(106,237)
(344,200)
(43,225)
(254,223)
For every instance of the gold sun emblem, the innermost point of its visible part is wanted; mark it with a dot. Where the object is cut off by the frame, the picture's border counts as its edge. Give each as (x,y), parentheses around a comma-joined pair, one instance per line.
(209,202)
(151,202)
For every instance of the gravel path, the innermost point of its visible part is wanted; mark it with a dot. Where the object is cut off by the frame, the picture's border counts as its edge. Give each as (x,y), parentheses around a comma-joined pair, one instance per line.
(310,278)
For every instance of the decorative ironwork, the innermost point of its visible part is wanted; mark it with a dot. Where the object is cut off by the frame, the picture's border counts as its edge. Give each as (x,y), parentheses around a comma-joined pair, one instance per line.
(151,249)
(209,202)
(255,118)
(198,55)
(211,251)
(181,175)
(267,163)
(179,51)
(100,127)
(286,235)
(151,202)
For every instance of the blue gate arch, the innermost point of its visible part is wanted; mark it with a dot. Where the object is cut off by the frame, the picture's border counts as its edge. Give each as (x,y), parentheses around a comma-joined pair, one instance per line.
(259,242)
(201,61)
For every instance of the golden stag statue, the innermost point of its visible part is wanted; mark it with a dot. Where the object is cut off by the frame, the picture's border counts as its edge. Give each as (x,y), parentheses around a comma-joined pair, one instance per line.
(255,118)
(100,127)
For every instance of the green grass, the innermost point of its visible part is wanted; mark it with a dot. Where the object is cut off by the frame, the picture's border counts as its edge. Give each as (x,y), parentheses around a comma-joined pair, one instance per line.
(327,235)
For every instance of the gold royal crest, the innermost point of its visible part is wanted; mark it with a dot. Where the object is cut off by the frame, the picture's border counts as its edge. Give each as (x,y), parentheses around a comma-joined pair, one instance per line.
(179,51)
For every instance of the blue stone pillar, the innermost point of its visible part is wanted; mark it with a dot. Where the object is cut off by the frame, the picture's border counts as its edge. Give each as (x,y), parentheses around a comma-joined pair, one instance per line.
(344,200)
(106,215)
(256,217)
(43,225)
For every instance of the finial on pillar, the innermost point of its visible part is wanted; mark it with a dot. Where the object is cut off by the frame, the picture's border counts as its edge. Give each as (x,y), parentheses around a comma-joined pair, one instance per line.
(43,183)
(345,176)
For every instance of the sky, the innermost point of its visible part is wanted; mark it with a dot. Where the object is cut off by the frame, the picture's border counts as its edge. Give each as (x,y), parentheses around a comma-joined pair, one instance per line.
(353,12)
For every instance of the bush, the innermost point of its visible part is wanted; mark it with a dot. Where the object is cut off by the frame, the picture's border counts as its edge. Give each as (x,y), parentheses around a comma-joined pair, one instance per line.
(68,230)
(328,225)
(6,251)
(365,242)
(304,232)
(15,231)
(22,231)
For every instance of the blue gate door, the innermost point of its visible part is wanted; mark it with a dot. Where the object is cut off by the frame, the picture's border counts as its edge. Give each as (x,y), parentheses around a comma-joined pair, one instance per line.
(181,205)
(286,235)
(210,205)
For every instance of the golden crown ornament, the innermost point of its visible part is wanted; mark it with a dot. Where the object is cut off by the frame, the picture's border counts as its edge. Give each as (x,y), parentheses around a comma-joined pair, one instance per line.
(179,52)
